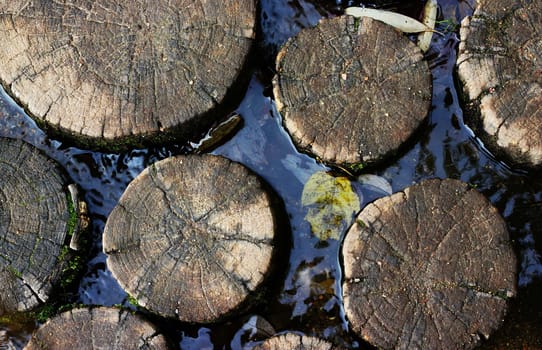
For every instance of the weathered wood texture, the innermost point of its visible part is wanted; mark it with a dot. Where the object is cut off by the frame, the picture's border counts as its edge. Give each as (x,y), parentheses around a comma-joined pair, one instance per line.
(500,64)
(5,342)
(428,268)
(295,342)
(121,68)
(191,237)
(34,218)
(350,94)
(96,328)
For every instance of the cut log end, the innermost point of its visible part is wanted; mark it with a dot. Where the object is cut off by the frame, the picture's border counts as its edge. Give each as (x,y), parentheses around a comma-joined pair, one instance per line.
(191,237)
(34,222)
(295,341)
(499,65)
(97,328)
(431,267)
(351,94)
(124,69)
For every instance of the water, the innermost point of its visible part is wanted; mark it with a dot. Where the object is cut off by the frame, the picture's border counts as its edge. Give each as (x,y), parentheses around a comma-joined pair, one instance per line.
(306,295)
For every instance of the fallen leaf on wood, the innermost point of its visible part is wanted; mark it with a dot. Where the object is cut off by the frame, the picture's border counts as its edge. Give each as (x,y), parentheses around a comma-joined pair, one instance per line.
(403,23)
(429,19)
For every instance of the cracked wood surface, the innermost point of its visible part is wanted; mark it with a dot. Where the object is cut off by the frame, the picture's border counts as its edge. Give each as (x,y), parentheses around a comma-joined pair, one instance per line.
(500,64)
(351,94)
(295,341)
(96,328)
(117,69)
(33,225)
(428,268)
(191,237)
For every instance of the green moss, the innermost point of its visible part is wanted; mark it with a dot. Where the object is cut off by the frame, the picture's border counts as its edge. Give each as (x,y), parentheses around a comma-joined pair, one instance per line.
(72,219)
(64,251)
(361,223)
(356,167)
(71,271)
(69,306)
(44,313)
(132,300)
(14,271)
(357,22)
(448,25)
(17,320)
(72,265)
(48,311)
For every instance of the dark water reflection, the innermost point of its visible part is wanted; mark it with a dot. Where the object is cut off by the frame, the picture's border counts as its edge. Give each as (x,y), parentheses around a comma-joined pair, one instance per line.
(308,294)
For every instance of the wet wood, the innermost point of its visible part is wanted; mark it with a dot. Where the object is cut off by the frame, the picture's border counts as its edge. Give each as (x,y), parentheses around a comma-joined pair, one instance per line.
(191,237)
(351,93)
(97,328)
(5,342)
(428,268)
(124,68)
(34,223)
(500,64)
(521,329)
(295,341)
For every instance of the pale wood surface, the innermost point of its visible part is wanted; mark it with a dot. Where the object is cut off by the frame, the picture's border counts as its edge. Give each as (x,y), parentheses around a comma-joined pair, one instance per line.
(97,328)
(295,342)
(119,69)
(191,237)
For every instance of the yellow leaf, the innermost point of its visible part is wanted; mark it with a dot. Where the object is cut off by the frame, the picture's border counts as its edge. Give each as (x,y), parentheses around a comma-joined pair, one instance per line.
(331,204)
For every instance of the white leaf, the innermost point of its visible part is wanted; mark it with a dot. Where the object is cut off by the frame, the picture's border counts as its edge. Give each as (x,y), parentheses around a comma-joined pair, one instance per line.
(403,23)
(429,19)
(377,182)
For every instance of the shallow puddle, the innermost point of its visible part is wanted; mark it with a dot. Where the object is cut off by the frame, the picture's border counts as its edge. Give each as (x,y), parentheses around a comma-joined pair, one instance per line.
(305,293)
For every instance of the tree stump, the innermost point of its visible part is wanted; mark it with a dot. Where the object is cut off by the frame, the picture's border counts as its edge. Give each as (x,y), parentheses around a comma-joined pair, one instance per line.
(124,68)
(428,268)
(351,92)
(500,64)
(35,219)
(191,237)
(97,328)
(294,341)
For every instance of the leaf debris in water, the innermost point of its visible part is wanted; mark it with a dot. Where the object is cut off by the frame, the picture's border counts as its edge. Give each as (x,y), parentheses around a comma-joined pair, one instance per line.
(403,23)
(332,204)
(219,134)
(429,19)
